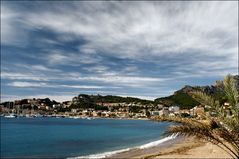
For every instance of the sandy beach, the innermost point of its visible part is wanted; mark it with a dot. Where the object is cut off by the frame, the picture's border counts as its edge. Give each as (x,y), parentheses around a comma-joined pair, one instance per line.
(177,148)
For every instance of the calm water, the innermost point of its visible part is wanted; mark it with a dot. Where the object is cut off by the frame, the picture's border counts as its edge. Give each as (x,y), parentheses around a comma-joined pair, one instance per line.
(62,137)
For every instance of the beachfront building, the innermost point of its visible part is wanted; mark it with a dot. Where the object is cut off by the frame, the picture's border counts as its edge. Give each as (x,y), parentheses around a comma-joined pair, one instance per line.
(94,113)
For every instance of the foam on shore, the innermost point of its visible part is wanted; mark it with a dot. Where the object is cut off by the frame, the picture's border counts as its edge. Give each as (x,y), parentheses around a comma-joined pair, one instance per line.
(110,153)
(101,155)
(155,143)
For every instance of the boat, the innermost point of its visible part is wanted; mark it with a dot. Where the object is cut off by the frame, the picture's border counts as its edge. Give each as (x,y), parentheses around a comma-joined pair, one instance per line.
(10,116)
(76,117)
(29,116)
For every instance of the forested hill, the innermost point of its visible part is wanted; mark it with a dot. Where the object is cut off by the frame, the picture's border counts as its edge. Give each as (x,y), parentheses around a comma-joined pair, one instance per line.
(183,98)
(110,99)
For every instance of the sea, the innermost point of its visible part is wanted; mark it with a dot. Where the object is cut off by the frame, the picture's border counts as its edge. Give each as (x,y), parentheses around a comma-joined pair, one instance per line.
(45,137)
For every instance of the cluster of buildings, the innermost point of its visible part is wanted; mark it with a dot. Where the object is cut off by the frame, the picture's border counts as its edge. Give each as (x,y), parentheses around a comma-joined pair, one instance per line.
(114,110)
(29,106)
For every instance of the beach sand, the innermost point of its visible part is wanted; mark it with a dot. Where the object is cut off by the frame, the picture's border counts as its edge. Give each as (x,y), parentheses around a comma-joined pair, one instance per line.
(177,148)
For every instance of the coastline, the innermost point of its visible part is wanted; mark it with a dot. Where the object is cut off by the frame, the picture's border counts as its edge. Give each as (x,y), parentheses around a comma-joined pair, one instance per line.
(180,147)
(144,151)
(135,151)
(168,147)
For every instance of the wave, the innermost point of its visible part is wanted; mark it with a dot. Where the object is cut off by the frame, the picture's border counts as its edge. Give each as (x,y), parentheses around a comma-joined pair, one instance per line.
(101,155)
(110,153)
(155,143)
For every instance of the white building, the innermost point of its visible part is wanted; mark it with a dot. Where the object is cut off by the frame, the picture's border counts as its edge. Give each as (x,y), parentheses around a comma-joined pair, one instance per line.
(174,109)
(164,111)
(153,113)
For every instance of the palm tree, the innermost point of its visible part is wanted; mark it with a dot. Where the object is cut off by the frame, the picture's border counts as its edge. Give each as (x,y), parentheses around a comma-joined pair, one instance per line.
(219,128)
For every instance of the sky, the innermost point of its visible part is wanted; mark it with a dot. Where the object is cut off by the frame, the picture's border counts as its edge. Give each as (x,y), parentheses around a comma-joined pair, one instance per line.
(59,49)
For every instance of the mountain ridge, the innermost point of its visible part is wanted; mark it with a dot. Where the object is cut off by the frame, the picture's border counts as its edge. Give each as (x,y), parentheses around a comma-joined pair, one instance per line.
(183,98)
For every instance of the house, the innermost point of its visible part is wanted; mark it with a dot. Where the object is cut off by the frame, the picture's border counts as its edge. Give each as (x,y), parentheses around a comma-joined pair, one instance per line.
(160,106)
(164,111)
(94,114)
(154,113)
(174,109)
(74,110)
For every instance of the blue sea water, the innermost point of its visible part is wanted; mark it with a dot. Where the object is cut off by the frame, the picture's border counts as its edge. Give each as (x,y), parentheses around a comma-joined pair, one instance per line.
(65,137)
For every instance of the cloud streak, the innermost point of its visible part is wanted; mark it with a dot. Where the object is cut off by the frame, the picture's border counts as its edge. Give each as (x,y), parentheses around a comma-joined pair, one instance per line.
(160,32)
(128,46)
(21,84)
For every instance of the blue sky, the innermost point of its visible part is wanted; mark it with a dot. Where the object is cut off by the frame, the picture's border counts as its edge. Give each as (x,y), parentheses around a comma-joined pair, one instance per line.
(140,49)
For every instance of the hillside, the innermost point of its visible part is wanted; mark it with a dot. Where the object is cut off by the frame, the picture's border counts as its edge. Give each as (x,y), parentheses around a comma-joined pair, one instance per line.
(109,99)
(183,98)
(95,101)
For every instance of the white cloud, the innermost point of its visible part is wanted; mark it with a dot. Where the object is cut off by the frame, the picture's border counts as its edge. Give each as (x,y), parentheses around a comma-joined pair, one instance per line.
(27,84)
(97,69)
(134,28)
(35,67)
(72,59)
(131,81)
(145,30)
(203,35)
(50,85)
(22,76)
(137,30)
(85,86)
(140,28)
(43,68)
(12,30)
(7,29)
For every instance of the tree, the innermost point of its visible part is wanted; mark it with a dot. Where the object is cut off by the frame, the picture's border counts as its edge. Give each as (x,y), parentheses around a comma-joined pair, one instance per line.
(148,113)
(220,129)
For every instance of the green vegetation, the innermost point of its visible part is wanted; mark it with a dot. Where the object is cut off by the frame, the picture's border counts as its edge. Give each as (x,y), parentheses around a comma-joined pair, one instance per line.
(184,100)
(118,99)
(219,128)
(89,101)
(85,105)
(61,109)
(134,109)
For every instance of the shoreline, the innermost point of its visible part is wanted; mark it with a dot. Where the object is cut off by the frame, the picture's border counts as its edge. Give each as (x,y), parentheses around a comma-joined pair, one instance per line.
(180,147)
(168,147)
(143,151)
(136,150)
(72,117)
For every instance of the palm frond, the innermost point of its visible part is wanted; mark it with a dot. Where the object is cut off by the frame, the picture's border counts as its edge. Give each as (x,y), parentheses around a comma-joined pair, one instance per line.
(230,89)
(207,100)
(207,130)
(220,129)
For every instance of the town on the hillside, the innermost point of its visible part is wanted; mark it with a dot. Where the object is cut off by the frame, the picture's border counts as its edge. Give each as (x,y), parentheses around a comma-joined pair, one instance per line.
(83,106)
